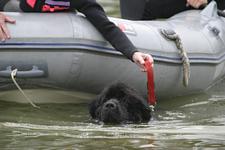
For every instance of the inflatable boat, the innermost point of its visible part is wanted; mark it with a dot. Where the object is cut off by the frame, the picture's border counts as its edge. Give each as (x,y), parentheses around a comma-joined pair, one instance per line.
(64,52)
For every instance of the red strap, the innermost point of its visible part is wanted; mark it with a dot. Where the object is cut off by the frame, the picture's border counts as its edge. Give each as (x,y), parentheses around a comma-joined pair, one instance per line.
(47,8)
(150,79)
(31,3)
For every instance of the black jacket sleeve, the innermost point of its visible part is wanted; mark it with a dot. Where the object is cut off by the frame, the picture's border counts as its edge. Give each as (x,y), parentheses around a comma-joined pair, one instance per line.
(96,15)
(155,9)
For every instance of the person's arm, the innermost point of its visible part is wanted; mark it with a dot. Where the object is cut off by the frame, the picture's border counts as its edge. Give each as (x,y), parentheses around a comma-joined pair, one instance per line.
(197,3)
(96,15)
(4,32)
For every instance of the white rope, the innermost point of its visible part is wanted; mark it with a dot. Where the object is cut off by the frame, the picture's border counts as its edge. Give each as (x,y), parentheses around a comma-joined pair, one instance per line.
(13,74)
(171,35)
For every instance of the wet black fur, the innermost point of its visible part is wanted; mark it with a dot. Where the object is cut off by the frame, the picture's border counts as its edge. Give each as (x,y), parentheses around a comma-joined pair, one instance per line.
(119,103)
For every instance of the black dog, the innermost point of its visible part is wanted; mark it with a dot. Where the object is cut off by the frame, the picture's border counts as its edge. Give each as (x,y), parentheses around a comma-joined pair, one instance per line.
(119,103)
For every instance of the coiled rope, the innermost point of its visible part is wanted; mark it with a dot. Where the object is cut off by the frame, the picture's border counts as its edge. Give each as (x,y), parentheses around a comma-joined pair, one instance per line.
(171,35)
(13,74)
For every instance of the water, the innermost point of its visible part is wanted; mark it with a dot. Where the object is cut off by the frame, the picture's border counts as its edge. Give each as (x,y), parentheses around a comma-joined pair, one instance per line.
(112,7)
(195,122)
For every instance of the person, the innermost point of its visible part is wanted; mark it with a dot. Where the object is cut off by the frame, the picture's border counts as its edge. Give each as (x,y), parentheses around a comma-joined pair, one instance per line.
(4,32)
(6,4)
(155,9)
(97,16)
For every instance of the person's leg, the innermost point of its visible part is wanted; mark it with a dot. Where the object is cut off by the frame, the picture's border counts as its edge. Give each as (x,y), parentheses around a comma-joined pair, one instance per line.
(155,9)
(132,9)
(221,4)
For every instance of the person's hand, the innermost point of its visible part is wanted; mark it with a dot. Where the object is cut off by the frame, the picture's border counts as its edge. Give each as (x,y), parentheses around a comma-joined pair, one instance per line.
(4,32)
(139,58)
(197,3)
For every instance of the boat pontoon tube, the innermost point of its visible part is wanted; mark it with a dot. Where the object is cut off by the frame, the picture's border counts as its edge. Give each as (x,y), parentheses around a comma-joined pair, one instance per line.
(63,50)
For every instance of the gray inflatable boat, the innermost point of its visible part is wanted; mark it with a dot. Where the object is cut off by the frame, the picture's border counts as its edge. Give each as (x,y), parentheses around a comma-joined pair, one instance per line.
(65,52)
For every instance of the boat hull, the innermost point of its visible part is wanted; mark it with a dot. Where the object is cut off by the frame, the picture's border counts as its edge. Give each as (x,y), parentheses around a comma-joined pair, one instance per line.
(85,71)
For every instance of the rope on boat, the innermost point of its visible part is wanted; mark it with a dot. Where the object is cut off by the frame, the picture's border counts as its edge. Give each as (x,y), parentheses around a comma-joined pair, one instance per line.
(171,35)
(13,74)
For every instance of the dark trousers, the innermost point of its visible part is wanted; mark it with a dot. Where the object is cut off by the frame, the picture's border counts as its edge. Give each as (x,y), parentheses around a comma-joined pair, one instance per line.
(154,9)
(166,8)
(163,8)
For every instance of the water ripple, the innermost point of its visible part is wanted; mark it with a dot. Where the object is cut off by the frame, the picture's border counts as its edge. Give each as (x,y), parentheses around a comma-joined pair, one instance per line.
(131,129)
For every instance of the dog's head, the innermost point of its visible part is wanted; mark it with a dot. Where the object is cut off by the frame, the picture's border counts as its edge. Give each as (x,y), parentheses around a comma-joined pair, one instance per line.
(111,111)
(119,103)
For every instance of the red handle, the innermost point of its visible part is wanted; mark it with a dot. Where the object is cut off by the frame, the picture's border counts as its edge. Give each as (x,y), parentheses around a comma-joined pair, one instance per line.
(150,78)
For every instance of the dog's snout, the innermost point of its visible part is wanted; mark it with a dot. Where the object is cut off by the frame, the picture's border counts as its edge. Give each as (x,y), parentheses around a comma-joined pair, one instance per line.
(110,105)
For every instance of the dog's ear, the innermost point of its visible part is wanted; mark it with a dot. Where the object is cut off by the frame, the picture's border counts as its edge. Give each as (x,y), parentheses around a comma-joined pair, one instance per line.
(139,109)
(146,113)
(145,110)
(96,104)
(93,107)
